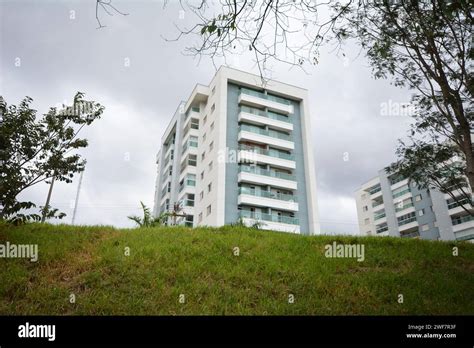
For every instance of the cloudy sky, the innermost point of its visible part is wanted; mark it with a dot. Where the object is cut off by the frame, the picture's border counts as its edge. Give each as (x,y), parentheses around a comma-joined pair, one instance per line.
(51,49)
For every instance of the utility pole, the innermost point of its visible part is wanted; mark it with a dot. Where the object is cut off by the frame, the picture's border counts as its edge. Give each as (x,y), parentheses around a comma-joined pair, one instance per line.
(77,198)
(46,206)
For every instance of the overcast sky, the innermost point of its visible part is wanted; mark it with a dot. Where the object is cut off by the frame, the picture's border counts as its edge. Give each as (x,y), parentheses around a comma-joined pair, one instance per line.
(60,51)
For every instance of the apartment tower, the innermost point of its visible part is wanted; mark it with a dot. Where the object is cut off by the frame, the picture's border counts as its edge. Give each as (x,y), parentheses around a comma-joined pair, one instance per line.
(390,205)
(239,150)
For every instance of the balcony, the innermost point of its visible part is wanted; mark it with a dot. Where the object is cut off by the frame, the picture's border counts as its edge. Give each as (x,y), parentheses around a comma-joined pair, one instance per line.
(379,215)
(398,182)
(267,199)
(260,117)
(248,154)
(259,99)
(407,222)
(188,145)
(461,223)
(269,217)
(459,203)
(401,193)
(381,228)
(375,192)
(271,222)
(267,137)
(259,176)
(189,183)
(378,204)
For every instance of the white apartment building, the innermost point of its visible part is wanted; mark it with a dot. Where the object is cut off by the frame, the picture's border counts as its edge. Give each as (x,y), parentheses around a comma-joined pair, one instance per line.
(394,206)
(238,150)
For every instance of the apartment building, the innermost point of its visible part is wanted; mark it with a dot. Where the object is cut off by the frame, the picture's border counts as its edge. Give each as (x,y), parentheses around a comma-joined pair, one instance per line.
(389,205)
(238,150)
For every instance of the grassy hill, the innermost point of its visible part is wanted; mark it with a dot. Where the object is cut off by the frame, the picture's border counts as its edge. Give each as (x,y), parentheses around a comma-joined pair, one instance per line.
(90,263)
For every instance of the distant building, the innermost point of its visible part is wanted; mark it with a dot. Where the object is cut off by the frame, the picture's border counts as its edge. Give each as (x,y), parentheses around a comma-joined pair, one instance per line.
(394,206)
(240,151)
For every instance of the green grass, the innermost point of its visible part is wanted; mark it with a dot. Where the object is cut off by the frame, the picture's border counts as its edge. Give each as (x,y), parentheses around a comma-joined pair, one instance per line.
(165,262)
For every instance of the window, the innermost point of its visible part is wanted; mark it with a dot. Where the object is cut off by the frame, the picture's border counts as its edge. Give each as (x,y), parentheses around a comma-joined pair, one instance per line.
(425,227)
(204,137)
(208,210)
(367,221)
(203,155)
(192,160)
(194,123)
(202,175)
(421,212)
(200,217)
(211,145)
(201,195)
(213,107)
(209,187)
(213,90)
(417,198)
(212,126)
(169,187)
(210,165)
(204,120)
(365,208)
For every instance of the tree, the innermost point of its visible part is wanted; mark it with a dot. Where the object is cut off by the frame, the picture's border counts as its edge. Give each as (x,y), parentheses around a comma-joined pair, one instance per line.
(425,46)
(148,220)
(35,150)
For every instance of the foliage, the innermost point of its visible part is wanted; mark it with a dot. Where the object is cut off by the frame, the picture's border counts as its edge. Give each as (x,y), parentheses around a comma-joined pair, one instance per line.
(148,220)
(35,150)
(425,46)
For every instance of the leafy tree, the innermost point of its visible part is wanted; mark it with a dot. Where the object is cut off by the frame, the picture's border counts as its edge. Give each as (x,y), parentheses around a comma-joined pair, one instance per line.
(34,150)
(425,46)
(148,220)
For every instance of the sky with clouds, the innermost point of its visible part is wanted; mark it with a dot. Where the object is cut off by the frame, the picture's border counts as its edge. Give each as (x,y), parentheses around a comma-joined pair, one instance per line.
(51,49)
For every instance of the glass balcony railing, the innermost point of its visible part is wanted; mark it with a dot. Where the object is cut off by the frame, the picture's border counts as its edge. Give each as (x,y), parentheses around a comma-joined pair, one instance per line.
(265,96)
(189,202)
(268,133)
(410,235)
(271,153)
(189,143)
(379,216)
(268,217)
(268,114)
(187,182)
(454,204)
(405,206)
(375,190)
(401,193)
(376,203)
(459,220)
(267,194)
(271,173)
(406,221)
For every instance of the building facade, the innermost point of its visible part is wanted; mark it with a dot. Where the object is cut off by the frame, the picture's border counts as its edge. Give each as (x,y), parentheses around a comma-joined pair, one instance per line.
(394,206)
(238,150)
